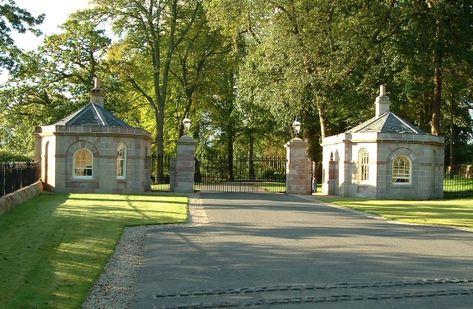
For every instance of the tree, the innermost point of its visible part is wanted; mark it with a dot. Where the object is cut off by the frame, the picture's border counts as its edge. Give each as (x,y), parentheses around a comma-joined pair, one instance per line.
(14,18)
(52,81)
(456,113)
(202,51)
(326,58)
(436,39)
(296,62)
(152,30)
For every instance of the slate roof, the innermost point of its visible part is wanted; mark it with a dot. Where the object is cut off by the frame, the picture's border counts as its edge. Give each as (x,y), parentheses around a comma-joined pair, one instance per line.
(386,123)
(92,115)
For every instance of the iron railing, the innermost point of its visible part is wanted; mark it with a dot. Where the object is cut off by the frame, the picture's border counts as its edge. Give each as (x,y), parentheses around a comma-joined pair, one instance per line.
(241,174)
(16,175)
(160,181)
(458,181)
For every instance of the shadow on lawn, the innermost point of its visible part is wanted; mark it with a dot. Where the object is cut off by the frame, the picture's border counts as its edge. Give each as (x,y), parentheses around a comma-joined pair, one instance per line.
(55,245)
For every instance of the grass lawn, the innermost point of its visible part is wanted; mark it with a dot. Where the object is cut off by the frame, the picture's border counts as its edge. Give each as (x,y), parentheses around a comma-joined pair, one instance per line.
(54,247)
(161,187)
(454,212)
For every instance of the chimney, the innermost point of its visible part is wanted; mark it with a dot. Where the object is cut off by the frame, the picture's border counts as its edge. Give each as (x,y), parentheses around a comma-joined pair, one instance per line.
(382,101)
(96,94)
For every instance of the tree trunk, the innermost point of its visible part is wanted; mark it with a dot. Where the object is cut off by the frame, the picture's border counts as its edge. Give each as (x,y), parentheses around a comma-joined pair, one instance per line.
(322,115)
(451,139)
(160,140)
(230,174)
(251,163)
(161,85)
(159,118)
(437,100)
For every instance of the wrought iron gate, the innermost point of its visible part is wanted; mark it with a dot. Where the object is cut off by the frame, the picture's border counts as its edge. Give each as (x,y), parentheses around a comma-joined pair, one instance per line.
(160,182)
(220,173)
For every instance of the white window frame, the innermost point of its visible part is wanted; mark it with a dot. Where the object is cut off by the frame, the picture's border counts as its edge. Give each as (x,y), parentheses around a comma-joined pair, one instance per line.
(363,165)
(74,167)
(401,175)
(121,161)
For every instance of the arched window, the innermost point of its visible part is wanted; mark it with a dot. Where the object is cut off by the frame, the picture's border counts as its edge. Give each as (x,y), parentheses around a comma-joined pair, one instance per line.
(83,164)
(121,161)
(363,165)
(402,169)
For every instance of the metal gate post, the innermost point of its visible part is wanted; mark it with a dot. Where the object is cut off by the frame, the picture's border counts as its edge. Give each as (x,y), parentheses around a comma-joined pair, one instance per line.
(185,165)
(298,174)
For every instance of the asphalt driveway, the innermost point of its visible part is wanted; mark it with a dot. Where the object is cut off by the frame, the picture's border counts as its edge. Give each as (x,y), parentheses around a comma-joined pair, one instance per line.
(286,251)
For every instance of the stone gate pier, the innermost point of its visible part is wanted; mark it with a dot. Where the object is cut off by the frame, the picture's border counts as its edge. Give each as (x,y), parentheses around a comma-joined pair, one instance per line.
(298,168)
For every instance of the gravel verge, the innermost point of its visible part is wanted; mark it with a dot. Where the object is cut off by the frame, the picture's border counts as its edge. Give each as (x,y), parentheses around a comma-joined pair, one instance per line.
(116,286)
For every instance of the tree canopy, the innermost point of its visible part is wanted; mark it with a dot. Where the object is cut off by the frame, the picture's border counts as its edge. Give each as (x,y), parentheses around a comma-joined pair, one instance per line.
(14,18)
(244,70)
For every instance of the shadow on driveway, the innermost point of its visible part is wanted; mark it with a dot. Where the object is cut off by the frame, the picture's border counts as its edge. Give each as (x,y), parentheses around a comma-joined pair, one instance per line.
(262,242)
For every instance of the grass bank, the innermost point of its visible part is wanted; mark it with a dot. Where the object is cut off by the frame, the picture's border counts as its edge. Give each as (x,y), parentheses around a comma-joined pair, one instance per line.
(54,247)
(454,212)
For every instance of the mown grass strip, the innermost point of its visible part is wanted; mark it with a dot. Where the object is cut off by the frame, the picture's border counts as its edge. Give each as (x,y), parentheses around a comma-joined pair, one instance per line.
(454,212)
(54,247)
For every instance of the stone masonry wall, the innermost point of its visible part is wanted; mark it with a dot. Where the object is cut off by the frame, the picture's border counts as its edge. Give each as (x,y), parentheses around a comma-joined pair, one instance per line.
(183,180)
(298,175)
(425,151)
(427,171)
(10,201)
(104,149)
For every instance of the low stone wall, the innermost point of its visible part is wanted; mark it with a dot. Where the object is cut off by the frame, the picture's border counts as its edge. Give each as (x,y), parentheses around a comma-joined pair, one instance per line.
(11,200)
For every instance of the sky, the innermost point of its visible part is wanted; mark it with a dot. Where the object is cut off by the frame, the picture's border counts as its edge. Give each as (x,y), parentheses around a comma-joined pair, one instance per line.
(57,12)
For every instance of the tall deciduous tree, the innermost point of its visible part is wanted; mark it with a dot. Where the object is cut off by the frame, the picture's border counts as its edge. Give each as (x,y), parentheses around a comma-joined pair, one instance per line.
(17,19)
(52,81)
(332,55)
(297,62)
(197,57)
(435,39)
(152,30)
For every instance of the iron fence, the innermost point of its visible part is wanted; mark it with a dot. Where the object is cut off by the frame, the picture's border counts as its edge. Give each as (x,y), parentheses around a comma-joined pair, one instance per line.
(458,181)
(160,181)
(16,175)
(240,174)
